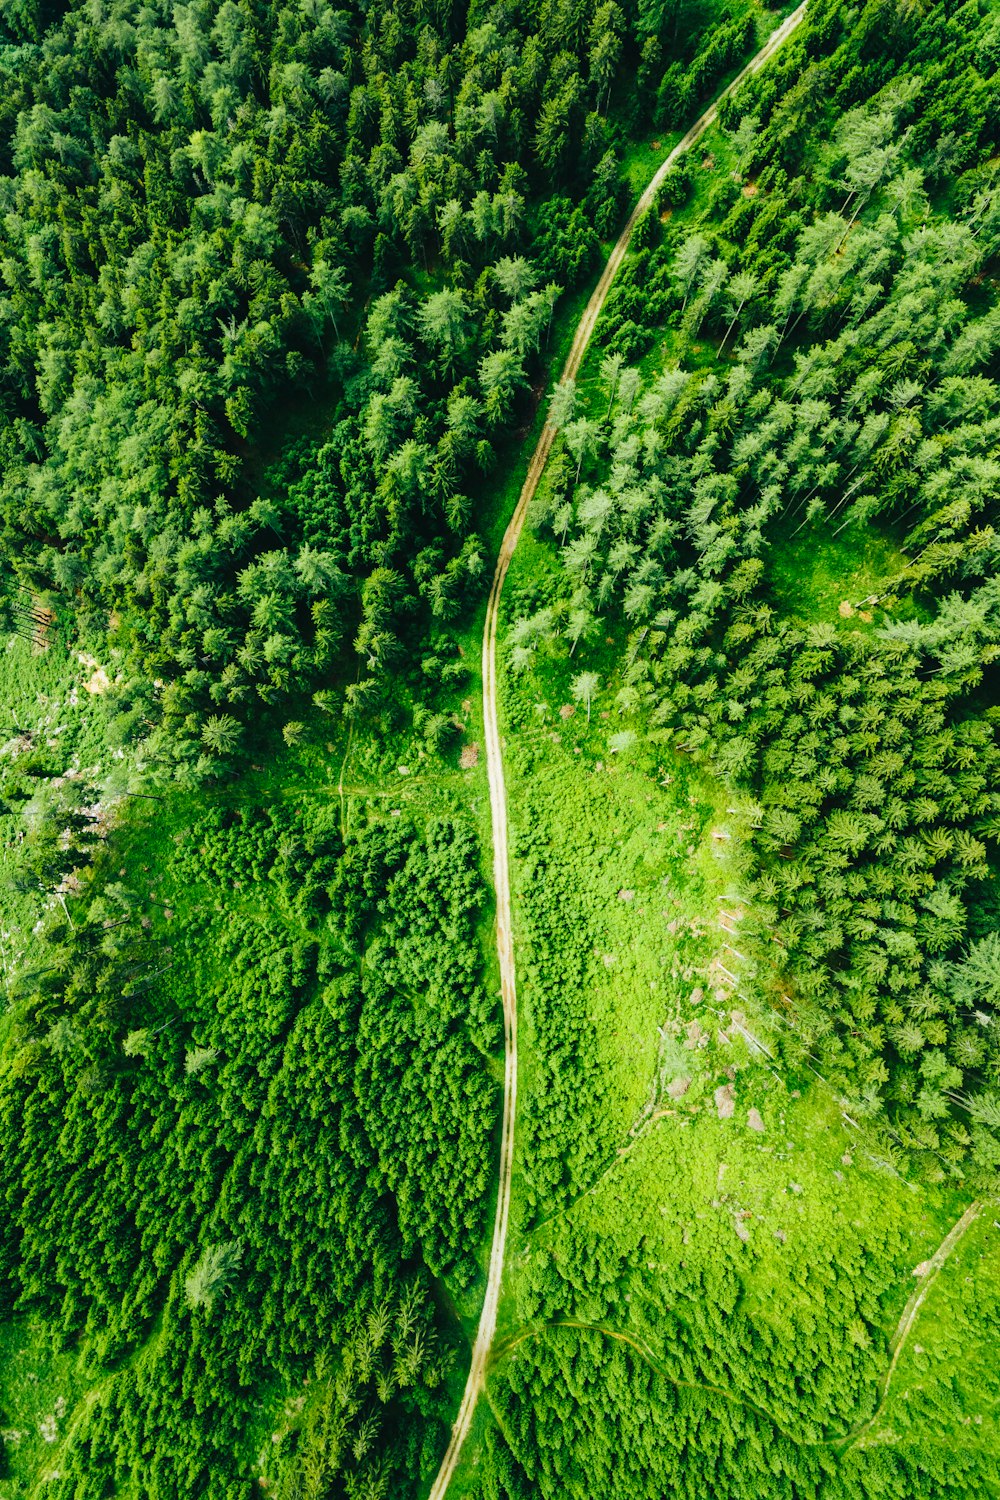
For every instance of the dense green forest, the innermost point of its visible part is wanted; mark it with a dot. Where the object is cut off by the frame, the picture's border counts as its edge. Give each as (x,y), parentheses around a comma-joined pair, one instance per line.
(820,340)
(209,212)
(284,294)
(277,283)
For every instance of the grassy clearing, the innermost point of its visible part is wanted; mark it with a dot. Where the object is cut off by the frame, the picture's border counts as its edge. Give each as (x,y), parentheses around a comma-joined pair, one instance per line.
(944,1385)
(631,832)
(641,159)
(37,1398)
(805,1196)
(814,574)
(640,874)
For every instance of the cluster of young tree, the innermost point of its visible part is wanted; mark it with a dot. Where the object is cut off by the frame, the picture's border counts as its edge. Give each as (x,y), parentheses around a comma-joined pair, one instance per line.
(239,1133)
(653,1355)
(426,1030)
(842,383)
(54,819)
(562,1117)
(575,1410)
(197,200)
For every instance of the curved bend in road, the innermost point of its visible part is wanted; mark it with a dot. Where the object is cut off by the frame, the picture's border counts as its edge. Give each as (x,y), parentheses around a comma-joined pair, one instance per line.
(494,764)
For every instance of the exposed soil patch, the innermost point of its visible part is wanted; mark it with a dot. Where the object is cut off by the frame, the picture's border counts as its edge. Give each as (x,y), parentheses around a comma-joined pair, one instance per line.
(98,682)
(725,1102)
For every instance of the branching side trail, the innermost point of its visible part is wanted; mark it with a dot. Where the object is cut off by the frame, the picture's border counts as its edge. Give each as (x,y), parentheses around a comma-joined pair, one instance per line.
(909,1317)
(494,763)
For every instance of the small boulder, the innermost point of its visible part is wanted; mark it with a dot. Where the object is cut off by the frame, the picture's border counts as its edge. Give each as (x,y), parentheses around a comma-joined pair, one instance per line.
(725,1102)
(754,1121)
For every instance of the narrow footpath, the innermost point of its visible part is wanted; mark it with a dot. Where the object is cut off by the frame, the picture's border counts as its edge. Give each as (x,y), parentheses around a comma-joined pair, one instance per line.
(494,764)
(929,1275)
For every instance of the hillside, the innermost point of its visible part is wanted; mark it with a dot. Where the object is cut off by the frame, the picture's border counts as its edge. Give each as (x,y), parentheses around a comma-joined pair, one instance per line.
(565,1009)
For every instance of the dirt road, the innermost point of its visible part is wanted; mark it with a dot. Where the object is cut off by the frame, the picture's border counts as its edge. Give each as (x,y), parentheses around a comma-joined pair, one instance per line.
(494,763)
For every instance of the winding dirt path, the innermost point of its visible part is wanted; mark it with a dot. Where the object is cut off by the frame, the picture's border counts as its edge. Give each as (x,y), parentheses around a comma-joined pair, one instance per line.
(494,763)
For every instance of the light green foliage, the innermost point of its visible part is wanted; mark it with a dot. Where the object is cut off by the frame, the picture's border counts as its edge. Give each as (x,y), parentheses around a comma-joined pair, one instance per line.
(262,1023)
(948,1364)
(213,1273)
(61,785)
(705,1287)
